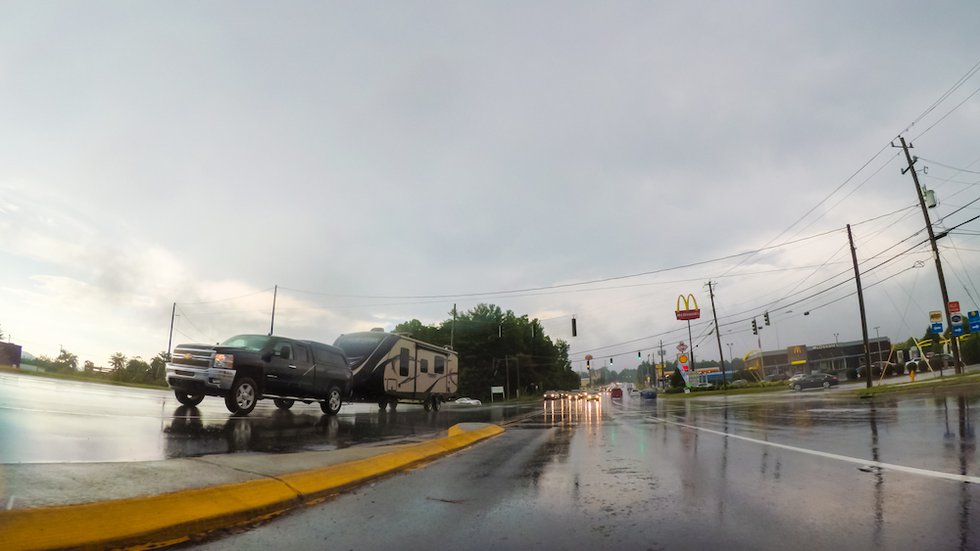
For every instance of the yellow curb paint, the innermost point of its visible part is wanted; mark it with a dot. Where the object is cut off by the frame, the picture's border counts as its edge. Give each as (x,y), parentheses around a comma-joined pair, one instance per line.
(171,518)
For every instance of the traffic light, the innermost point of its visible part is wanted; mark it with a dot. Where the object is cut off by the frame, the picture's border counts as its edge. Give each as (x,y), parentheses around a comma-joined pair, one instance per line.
(639,356)
(755,327)
(587,365)
(610,361)
(766,316)
(574,329)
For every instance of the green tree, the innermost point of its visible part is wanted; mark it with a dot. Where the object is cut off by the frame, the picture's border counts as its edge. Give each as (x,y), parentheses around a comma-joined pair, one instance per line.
(89,366)
(67,361)
(158,368)
(136,371)
(117,361)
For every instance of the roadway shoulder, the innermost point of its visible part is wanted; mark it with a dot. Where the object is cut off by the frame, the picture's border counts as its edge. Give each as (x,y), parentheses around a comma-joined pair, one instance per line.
(174,517)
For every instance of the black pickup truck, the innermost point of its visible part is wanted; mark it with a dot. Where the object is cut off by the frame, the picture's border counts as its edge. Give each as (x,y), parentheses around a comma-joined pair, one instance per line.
(246,368)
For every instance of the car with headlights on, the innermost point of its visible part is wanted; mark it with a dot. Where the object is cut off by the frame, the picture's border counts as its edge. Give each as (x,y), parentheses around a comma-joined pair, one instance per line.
(551,395)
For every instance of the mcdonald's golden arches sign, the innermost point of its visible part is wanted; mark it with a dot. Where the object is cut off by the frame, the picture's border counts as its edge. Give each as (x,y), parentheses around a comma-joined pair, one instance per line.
(687,313)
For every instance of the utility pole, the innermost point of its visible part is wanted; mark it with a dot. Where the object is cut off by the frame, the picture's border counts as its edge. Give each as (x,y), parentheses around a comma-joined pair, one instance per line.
(452,329)
(864,322)
(954,341)
(721,354)
(170,341)
(275,293)
(663,366)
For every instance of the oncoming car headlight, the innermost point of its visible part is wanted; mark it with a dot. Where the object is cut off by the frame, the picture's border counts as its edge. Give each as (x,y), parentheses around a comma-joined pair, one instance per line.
(225,361)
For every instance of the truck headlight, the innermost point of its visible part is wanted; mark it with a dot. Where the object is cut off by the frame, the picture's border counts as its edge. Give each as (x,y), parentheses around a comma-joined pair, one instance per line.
(224,361)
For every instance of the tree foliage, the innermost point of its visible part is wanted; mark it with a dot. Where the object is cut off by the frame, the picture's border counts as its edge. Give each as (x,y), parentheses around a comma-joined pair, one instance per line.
(495,348)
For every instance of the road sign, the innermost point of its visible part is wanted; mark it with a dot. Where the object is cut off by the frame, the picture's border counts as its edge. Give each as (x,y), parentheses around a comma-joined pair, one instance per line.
(954,307)
(681,347)
(956,324)
(935,316)
(937,327)
(974,317)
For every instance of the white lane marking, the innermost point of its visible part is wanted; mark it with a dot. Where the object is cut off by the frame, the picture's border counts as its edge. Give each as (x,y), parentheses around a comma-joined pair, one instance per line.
(10,504)
(848,459)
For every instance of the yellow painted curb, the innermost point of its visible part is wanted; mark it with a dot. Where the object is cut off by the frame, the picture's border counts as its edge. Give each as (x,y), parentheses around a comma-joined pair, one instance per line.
(174,517)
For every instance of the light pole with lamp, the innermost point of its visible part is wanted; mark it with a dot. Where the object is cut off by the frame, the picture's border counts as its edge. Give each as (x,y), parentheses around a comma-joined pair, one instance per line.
(837,349)
(878,342)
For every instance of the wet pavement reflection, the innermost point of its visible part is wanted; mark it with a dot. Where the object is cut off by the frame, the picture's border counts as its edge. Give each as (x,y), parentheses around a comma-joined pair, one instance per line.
(48,421)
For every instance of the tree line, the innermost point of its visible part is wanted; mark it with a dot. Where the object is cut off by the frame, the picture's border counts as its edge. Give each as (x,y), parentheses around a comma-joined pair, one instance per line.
(119,369)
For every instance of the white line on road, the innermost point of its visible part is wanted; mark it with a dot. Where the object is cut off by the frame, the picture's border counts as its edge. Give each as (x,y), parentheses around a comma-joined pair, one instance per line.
(855,460)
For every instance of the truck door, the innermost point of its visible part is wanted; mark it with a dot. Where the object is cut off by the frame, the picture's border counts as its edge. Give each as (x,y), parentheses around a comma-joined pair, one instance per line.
(280,368)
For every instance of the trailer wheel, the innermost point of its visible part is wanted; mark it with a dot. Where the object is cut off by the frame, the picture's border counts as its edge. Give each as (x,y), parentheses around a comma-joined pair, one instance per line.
(382,404)
(427,405)
(435,403)
(188,399)
(331,406)
(393,403)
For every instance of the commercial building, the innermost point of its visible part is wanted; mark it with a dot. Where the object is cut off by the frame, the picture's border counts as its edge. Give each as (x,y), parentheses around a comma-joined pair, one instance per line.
(836,358)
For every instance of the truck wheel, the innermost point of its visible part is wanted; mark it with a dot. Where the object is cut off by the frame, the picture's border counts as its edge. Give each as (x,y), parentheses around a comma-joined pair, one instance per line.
(283,403)
(331,406)
(188,399)
(382,404)
(242,397)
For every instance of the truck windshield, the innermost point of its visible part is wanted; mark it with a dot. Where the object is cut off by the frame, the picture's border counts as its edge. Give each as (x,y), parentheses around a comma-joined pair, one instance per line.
(254,343)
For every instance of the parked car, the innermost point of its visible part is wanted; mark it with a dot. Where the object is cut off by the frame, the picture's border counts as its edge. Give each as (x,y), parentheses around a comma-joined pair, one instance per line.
(702,386)
(739,383)
(777,377)
(468,402)
(815,380)
(616,393)
(878,367)
(648,394)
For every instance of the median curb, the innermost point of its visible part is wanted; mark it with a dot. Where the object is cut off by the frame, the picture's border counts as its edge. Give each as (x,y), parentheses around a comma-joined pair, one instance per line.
(171,518)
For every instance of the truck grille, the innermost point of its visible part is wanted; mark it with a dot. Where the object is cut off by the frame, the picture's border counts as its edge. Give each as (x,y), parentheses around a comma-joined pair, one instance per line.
(192,357)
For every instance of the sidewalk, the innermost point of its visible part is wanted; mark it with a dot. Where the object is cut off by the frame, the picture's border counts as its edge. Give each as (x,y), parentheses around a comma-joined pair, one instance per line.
(56,506)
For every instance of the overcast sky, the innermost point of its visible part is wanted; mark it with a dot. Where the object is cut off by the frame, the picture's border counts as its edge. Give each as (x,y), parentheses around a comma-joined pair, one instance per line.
(426,152)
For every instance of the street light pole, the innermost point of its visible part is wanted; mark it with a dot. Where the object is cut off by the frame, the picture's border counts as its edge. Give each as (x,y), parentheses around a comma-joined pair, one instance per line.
(837,349)
(878,342)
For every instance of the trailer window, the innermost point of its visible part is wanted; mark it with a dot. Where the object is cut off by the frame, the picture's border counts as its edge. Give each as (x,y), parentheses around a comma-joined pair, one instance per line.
(403,363)
(423,366)
(440,364)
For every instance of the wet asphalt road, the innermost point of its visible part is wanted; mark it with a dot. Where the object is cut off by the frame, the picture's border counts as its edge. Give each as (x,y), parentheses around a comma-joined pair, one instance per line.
(52,421)
(745,472)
